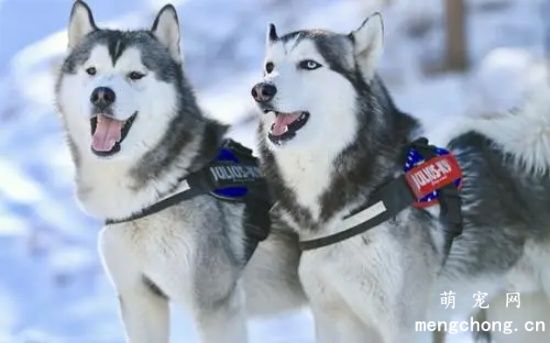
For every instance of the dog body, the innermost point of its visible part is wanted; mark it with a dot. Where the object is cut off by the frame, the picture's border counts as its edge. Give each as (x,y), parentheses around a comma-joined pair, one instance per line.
(147,134)
(330,135)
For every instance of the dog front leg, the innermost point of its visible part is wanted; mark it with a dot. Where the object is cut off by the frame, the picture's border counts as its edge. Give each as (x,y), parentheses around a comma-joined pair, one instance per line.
(333,326)
(145,315)
(223,320)
(144,310)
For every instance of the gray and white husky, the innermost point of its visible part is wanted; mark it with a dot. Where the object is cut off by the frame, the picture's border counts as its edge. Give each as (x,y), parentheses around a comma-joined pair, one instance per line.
(135,131)
(330,134)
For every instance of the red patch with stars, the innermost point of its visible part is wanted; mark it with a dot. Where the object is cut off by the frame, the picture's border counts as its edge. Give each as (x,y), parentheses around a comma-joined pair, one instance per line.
(429,176)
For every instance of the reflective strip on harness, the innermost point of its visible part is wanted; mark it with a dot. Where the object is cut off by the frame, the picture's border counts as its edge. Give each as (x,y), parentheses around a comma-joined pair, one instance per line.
(182,187)
(365,215)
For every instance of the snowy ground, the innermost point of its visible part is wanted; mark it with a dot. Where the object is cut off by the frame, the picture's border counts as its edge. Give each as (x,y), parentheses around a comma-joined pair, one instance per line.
(52,287)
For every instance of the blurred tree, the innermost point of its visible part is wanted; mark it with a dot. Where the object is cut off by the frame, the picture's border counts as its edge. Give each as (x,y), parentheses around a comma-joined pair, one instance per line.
(457,47)
(545,10)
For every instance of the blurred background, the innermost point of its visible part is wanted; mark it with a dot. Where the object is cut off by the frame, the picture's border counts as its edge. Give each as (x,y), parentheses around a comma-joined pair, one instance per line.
(443,59)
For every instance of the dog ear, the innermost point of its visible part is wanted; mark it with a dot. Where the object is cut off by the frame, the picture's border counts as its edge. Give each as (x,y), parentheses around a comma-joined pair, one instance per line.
(271,35)
(167,30)
(368,41)
(81,23)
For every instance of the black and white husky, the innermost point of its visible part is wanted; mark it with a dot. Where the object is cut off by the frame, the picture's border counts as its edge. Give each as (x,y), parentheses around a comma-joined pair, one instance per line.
(135,131)
(330,135)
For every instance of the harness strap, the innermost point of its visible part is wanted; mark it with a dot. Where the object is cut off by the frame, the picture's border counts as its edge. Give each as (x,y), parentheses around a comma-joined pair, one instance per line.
(188,188)
(216,179)
(186,193)
(450,203)
(387,203)
(451,216)
(256,220)
(392,198)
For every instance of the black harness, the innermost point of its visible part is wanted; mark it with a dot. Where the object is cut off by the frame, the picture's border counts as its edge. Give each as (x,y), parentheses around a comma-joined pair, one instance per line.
(233,176)
(390,199)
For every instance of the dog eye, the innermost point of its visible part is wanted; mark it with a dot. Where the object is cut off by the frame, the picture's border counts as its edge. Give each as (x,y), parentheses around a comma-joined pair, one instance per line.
(91,71)
(309,65)
(269,67)
(135,75)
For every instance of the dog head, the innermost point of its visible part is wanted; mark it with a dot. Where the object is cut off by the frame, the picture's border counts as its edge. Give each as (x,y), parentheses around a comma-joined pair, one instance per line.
(118,90)
(312,83)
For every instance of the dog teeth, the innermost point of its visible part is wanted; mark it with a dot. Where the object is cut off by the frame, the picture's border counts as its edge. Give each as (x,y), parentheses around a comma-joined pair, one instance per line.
(286,129)
(303,116)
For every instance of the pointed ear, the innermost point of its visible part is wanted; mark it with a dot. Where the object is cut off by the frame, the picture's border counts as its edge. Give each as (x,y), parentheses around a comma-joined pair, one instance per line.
(271,35)
(81,23)
(368,41)
(167,30)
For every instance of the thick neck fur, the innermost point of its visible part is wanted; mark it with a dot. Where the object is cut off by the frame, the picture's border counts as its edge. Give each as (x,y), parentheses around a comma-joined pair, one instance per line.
(333,181)
(111,189)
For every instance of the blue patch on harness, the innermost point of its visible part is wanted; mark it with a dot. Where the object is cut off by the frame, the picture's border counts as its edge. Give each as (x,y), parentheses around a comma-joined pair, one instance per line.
(229,192)
(227,155)
(414,158)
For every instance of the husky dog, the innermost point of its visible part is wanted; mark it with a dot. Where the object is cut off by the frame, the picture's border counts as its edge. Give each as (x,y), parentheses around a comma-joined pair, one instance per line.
(135,131)
(330,135)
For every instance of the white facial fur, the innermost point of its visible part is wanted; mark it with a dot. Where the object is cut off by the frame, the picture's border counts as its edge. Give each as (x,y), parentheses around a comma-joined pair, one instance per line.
(307,161)
(328,96)
(152,99)
(330,99)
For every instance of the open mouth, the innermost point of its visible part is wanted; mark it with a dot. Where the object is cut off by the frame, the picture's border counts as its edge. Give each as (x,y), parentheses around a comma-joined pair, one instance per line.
(108,133)
(286,125)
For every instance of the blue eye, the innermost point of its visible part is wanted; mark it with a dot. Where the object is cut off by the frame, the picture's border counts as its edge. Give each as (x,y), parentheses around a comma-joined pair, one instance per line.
(309,65)
(91,71)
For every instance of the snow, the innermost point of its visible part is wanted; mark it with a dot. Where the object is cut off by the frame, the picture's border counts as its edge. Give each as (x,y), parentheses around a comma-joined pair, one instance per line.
(52,287)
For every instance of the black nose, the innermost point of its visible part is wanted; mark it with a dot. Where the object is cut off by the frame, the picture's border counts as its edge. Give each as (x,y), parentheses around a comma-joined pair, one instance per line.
(102,96)
(263,91)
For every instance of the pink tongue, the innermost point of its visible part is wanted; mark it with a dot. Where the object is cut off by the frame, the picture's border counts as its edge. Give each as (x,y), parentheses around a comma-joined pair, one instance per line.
(282,121)
(107,133)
